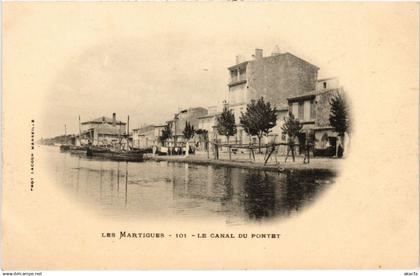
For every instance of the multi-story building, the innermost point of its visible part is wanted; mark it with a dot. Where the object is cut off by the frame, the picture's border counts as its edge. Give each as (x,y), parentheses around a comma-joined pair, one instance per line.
(103,131)
(190,115)
(276,78)
(313,111)
(209,121)
(147,136)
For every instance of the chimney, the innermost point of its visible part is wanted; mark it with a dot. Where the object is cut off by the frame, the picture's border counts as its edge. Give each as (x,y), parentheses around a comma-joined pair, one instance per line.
(114,119)
(276,51)
(258,54)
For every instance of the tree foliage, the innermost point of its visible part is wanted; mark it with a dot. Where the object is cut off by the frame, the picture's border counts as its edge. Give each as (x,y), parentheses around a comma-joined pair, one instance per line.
(166,134)
(203,133)
(259,118)
(291,127)
(226,123)
(188,131)
(339,114)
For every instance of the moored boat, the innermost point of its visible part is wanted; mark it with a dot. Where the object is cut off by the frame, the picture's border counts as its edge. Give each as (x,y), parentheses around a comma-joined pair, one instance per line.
(65,147)
(96,151)
(78,149)
(115,155)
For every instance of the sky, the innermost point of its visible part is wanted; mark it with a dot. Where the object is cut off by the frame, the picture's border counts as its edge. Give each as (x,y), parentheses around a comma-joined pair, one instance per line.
(149,60)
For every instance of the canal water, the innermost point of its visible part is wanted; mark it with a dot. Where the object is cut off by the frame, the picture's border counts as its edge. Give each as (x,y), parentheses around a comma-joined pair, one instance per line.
(168,189)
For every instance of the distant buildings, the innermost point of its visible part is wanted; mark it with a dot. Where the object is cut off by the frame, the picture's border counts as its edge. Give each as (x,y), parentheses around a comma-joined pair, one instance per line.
(147,136)
(288,82)
(190,115)
(209,121)
(103,131)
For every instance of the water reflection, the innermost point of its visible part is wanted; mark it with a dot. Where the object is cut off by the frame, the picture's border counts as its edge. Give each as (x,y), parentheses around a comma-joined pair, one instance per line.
(259,194)
(159,189)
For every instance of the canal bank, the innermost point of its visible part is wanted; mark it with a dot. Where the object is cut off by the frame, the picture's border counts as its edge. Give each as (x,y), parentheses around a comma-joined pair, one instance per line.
(326,165)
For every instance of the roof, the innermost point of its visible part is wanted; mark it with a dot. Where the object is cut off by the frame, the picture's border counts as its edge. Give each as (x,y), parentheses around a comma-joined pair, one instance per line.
(325,79)
(290,54)
(145,128)
(271,57)
(244,63)
(304,96)
(109,129)
(191,109)
(210,115)
(148,128)
(103,119)
(311,94)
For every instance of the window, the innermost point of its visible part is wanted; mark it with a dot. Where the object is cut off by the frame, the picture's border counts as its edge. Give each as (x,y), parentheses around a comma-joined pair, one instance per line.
(307,110)
(242,74)
(300,110)
(324,84)
(295,108)
(313,112)
(234,75)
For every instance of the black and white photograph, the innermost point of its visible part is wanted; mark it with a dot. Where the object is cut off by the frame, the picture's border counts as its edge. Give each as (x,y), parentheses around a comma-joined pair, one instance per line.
(135,134)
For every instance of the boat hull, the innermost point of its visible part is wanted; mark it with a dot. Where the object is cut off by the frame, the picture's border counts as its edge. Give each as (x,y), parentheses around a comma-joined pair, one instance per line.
(78,149)
(65,147)
(131,156)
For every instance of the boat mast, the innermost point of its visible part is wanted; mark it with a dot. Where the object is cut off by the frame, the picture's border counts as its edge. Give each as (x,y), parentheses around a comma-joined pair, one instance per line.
(119,135)
(128,130)
(80,133)
(65,134)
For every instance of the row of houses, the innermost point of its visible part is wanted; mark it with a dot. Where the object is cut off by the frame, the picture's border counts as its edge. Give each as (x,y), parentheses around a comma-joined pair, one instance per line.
(285,80)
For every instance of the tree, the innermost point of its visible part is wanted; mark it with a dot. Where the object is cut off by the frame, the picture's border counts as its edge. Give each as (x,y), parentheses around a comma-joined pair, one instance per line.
(188,134)
(292,128)
(166,134)
(339,117)
(203,133)
(188,131)
(226,124)
(259,119)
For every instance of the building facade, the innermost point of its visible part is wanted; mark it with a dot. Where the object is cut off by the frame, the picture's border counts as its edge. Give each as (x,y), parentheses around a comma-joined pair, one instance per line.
(327,84)
(313,111)
(147,136)
(276,78)
(103,131)
(190,115)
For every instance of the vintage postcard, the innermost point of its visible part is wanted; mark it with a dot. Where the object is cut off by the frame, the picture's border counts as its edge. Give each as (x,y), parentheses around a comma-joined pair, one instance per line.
(210,135)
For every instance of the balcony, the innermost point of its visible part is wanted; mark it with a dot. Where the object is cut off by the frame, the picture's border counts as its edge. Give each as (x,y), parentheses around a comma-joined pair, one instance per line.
(236,80)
